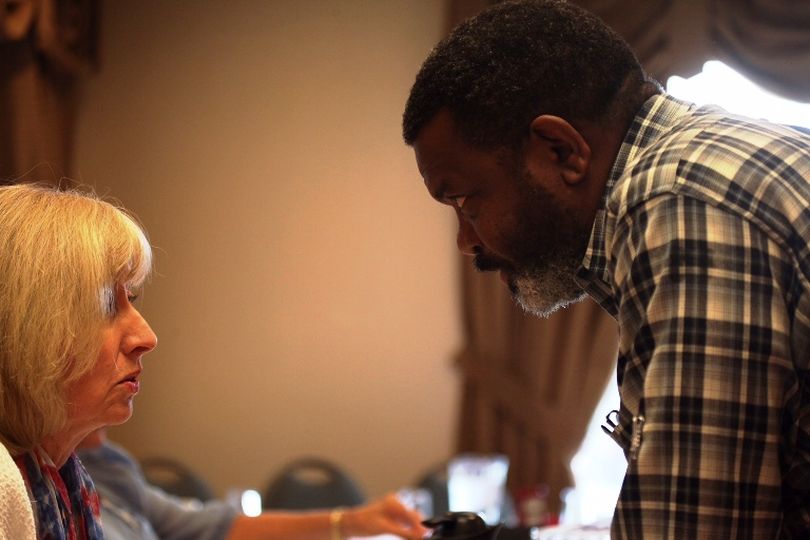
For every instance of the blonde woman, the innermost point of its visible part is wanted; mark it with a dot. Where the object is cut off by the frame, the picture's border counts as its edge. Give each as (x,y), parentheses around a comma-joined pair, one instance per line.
(71,341)
(71,348)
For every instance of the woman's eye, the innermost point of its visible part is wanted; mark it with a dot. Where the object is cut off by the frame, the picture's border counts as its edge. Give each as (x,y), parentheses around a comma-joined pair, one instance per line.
(131,295)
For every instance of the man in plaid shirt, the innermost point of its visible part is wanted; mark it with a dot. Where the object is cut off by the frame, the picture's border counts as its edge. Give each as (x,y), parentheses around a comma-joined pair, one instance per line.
(572,173)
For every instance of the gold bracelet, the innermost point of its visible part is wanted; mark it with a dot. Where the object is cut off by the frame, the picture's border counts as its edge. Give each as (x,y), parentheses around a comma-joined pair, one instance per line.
(335,518)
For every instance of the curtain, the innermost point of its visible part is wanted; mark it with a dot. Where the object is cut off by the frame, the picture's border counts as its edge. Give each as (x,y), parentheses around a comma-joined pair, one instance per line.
(46,46)
(529,385)
(766,40)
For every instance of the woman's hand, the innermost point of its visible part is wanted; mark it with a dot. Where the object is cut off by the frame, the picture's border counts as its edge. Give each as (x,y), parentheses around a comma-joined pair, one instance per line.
(384,516)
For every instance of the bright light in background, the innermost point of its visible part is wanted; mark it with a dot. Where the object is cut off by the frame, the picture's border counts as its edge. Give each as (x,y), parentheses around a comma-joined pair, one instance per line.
(598,467)
(251,502)
(720,85)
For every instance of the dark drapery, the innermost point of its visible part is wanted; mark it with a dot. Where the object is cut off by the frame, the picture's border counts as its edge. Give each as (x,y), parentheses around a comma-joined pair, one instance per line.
(45,48)
(766,40)
(530,385)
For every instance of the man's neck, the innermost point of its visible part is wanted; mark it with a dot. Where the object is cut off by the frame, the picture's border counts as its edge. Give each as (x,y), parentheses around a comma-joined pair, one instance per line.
(605,139)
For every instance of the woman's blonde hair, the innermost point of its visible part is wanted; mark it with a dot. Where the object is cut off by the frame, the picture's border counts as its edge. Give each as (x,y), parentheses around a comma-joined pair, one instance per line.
(62,253)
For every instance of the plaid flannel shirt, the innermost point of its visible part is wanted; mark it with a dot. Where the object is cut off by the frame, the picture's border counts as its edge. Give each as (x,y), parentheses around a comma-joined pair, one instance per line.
(701,252)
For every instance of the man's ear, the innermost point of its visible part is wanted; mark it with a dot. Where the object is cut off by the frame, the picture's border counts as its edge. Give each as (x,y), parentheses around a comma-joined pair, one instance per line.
(557,140)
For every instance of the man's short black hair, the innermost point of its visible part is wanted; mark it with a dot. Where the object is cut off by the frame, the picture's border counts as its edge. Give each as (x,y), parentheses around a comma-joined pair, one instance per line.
(517,60)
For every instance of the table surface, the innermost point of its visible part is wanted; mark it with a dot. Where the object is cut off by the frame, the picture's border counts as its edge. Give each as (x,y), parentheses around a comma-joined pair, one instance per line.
(558,532)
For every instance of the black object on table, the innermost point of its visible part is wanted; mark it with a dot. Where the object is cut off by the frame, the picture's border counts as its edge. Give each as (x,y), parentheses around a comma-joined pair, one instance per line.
(515,533)
(470,526)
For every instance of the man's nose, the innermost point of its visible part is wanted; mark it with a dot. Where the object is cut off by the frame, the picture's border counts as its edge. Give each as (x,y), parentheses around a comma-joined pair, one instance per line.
(467,239)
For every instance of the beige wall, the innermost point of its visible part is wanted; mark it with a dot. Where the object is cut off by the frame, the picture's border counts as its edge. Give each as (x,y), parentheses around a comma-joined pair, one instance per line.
(305,296)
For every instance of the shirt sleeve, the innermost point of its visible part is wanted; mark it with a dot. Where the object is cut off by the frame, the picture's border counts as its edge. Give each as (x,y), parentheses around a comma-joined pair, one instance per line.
(704,364)
(133,508)
(174,518)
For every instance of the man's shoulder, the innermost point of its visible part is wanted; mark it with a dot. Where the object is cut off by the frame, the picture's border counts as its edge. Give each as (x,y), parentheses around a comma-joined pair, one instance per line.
(707,153)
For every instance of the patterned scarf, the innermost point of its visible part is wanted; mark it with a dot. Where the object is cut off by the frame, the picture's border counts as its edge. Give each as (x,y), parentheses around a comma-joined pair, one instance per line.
(66,505)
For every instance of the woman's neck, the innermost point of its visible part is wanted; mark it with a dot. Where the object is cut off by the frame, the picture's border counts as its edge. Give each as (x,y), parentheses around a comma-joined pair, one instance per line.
(60,446)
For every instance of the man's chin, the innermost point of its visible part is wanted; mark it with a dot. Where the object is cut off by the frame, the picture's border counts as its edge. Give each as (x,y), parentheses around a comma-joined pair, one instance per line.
(543,300)
(545,308)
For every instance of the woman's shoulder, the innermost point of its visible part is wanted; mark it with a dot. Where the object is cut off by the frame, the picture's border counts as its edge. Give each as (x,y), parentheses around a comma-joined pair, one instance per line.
(16,515)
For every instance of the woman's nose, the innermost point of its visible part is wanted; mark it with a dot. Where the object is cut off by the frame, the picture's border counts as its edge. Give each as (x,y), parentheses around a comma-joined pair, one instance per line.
(142,338)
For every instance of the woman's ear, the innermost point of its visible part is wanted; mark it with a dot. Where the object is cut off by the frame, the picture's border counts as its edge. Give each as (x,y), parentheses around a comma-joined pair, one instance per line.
(554,139)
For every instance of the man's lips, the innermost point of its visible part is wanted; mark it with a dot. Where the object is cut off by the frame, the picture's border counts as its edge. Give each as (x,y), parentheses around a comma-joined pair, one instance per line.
(484,263)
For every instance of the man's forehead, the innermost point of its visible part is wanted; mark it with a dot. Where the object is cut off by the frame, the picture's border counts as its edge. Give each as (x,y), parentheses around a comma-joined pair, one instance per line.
(437,142)
(441,124)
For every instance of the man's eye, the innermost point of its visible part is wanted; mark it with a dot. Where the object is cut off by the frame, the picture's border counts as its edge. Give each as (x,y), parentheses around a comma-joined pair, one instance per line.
(458,202)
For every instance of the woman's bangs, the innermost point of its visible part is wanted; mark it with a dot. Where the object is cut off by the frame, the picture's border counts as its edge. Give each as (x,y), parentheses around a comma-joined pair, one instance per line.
(134,260)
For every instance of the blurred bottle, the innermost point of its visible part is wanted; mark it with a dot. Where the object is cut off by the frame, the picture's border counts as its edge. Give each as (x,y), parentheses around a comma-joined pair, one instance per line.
(477,483)
(531,503)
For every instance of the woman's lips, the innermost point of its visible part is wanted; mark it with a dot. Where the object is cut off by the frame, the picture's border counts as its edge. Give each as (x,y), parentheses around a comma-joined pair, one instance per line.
(131,383)
(132,386)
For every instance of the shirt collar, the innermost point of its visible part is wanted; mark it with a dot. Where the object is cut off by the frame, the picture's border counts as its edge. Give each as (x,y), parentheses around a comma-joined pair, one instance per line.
(656,116)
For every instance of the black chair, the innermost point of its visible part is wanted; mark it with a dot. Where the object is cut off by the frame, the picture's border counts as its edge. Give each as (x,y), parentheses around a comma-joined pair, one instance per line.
(311,483)
(175,478)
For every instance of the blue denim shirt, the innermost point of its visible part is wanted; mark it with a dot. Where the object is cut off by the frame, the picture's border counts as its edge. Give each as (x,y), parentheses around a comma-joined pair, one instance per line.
(132,509)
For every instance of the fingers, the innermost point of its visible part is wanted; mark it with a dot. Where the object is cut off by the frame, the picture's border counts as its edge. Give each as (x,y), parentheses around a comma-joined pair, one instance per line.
(412,532)
(387,515)
(407,516)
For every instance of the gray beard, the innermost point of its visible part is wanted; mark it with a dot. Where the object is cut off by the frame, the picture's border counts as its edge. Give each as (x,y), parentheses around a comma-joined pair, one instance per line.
(541,292)
(546,248)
